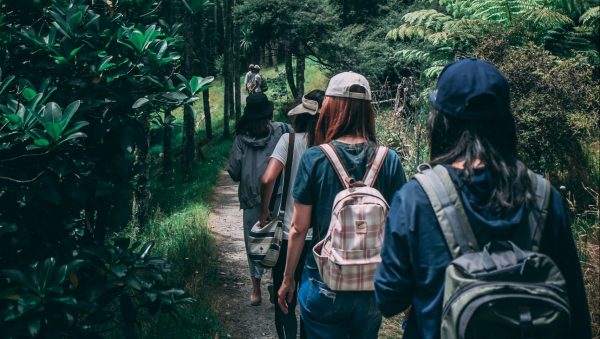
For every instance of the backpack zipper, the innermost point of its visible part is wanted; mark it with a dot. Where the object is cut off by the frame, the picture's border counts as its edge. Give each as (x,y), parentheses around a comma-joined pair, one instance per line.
(462,290)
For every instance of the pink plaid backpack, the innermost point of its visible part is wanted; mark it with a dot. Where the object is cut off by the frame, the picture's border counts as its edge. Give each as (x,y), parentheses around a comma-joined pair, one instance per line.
(349,254)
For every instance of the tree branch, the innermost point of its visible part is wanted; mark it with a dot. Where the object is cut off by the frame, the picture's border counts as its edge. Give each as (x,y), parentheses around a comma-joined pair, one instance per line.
(25,156)
(24,181)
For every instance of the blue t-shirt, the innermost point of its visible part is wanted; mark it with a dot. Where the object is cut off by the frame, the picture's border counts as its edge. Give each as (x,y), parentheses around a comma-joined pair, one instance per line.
(317,183)
(415,256)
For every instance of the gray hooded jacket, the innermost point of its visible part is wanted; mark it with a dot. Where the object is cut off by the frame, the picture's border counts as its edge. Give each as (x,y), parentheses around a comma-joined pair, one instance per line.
(248,161)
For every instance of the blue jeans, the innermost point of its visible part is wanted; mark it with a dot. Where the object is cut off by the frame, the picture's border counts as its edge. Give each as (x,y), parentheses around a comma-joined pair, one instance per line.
(331,315)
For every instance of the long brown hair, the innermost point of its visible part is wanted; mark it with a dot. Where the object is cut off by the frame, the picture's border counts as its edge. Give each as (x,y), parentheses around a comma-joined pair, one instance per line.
(345,116)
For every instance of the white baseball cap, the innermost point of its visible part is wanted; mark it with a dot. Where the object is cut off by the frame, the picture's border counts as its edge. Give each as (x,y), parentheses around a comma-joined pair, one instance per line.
(339,86)
(307,106)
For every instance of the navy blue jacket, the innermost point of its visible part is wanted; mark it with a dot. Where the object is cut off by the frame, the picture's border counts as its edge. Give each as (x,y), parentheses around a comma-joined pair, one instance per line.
(415,254)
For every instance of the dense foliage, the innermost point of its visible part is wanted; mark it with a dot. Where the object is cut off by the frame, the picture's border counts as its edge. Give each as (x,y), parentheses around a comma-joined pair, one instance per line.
(80,83)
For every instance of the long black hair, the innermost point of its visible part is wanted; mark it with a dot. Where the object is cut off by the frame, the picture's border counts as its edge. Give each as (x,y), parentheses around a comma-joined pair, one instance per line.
(492,143)
(306,123)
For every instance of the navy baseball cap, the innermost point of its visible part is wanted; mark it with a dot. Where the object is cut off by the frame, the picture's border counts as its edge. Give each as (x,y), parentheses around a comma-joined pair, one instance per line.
(471,89)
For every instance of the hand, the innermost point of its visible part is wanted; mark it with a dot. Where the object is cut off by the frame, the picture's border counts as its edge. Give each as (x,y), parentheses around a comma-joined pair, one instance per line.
(285,295)
(264,217)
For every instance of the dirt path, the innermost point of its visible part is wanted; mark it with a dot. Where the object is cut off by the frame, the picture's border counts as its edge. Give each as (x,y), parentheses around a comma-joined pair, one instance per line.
(241,319)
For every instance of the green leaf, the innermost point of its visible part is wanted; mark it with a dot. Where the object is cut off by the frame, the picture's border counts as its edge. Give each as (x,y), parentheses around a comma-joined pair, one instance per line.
(162,49)
(28,93)
(59,59)
(174,96)
(105,64)
(75,127)
(75,20)
(137,39)
(200,83)
(44,143)
(68,113)
(53,112)
(13,118)
(6,82)
(140,102)
(73,137)
(74,52)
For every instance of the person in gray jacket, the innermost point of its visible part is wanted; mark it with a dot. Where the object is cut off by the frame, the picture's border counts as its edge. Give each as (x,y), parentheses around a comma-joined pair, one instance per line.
(256,137)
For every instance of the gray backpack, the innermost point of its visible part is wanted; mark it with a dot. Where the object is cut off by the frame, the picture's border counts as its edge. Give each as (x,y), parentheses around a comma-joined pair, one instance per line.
(500,290)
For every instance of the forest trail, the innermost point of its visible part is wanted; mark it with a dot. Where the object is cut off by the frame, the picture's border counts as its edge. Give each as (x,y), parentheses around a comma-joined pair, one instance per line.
(232,303)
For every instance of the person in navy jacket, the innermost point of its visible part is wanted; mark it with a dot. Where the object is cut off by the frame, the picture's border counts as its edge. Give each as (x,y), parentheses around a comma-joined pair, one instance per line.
(473,134)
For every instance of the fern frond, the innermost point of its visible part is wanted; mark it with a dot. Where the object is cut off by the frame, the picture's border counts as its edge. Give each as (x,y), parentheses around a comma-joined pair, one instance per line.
(439,38)
(408,32)
(545,19)
(591,17)
(429,18)
(572,7)
(413,55)
(433,72)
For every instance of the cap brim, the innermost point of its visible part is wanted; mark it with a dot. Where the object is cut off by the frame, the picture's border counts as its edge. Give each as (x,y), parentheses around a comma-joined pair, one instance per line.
(301,109)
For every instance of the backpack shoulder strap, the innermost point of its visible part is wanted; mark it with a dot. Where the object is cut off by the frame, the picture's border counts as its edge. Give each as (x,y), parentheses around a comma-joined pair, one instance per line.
(337,164)
(537,218)
(375,166)
(288,171)
(449,210)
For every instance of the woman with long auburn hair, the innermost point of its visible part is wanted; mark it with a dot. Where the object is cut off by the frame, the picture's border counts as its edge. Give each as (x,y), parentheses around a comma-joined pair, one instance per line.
(347,124)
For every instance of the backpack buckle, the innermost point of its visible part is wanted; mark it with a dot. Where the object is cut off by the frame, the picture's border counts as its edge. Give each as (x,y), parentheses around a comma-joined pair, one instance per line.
(423,167)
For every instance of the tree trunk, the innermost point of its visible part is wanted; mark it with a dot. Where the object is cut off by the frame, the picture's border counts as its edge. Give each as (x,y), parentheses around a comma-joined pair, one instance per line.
(227,66)
(207,41)
(188,138)
(236,70)
(207,117)
(167,146)
(141,176)
(274,50)
(300,66)
(189,123)
(289,69)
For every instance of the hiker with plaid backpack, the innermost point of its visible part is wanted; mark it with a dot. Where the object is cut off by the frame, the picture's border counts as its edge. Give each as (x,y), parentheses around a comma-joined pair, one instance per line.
(478,245)
(348,170)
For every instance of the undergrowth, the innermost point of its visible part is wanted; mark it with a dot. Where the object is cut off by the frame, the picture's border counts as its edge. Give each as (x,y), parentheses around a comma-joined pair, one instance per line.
(179,226)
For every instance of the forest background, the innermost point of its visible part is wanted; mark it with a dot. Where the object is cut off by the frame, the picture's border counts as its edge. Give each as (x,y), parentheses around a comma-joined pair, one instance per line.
(116,116)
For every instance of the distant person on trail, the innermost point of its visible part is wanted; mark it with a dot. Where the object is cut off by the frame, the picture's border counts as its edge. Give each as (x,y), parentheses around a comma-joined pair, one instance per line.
(249,78)
(496,202)
(256,85)
(305,119)
(346,123)
(256,137)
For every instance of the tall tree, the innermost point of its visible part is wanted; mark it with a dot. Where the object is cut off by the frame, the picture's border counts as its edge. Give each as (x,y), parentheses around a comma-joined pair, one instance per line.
(227,63)
(303,26)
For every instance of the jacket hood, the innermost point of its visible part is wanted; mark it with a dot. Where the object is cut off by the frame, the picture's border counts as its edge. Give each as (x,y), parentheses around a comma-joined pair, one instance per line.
(255,142)
(476,194)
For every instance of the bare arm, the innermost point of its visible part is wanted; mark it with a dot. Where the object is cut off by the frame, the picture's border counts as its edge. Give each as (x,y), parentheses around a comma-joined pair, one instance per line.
(298,230)
(267,182)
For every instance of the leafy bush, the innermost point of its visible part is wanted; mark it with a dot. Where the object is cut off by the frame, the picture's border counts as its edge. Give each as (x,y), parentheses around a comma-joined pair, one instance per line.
(73,153)
(555,102)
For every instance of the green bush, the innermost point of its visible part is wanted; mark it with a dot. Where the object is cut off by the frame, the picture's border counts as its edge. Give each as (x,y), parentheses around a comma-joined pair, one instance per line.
(555,102)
